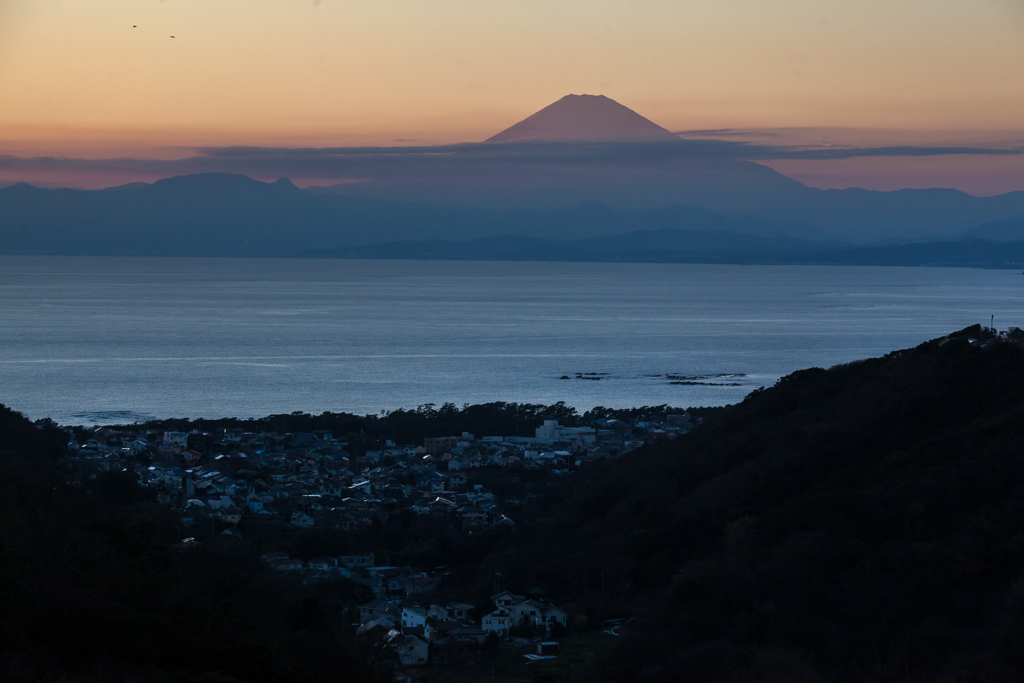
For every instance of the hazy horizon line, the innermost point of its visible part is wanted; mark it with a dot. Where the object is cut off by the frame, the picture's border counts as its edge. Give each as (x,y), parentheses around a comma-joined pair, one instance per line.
(309,166)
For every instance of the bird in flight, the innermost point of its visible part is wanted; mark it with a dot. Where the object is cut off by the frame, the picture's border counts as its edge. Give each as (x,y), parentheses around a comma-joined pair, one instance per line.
(134,26)
(172,36)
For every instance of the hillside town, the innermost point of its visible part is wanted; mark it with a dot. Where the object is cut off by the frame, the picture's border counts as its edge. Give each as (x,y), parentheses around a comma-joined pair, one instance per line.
(402,617)
(312,480)
(224,480)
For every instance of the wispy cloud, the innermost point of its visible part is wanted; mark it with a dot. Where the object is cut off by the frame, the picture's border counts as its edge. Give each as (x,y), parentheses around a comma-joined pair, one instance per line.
(840,153)
(725,132)
(464,161)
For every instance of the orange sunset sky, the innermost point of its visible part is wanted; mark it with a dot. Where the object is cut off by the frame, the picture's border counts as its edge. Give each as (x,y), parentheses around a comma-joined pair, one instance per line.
(77,80)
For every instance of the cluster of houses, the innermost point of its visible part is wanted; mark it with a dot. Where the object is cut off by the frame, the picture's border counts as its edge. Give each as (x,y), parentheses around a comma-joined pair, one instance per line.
(1013,335)
(300,480)
(416,629)
(311,480)
(402,616)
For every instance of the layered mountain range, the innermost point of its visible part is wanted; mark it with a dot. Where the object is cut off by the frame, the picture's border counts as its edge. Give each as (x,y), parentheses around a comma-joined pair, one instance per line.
(585,168)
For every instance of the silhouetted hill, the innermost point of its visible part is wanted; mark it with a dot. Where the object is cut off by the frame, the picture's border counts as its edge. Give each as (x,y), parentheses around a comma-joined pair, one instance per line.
(1006,231)
(918,215)
(18,435)
(857,523)
(965,253)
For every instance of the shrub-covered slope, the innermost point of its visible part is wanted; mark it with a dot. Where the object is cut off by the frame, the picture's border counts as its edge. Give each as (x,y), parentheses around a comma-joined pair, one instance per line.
(860,523)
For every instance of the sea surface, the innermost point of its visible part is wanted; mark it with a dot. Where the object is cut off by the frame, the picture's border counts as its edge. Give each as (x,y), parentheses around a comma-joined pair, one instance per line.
(97,340)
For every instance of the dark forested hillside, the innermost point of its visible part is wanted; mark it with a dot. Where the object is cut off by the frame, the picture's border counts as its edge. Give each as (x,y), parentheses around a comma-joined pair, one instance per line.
(863,523)
(95,586)
(868,519)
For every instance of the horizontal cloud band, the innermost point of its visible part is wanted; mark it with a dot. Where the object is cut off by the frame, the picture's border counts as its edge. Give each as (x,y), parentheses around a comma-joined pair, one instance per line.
(465,160)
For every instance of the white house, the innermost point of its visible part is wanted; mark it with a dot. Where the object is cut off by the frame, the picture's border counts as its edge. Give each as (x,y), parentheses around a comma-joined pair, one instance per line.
(551,431)
(413,616)
(548,431)
(498,622)
(179,439)
(527,612)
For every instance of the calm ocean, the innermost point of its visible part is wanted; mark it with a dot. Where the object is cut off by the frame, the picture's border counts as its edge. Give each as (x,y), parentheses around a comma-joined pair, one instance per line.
(99,340)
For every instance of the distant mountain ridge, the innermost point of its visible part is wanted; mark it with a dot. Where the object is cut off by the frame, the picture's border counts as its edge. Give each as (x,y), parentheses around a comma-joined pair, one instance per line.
(724,186)
(232,215)
(1005,231)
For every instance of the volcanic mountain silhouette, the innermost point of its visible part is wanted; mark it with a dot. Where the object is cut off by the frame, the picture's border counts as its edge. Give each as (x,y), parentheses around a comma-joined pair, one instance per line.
(584,117)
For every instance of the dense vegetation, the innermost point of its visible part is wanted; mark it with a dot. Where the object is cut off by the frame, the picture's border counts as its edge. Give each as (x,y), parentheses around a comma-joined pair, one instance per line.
(94,587)
(862,523)
(367,432)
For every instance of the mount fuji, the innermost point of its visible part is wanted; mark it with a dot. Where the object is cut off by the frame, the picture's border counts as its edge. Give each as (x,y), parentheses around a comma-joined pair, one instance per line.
(583,167)
(584,117)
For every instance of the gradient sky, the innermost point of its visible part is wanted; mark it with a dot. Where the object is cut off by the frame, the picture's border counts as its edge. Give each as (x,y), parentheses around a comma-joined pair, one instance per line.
(77,80)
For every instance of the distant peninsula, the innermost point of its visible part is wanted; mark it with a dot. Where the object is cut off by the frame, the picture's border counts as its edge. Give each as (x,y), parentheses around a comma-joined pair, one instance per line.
(680,246)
